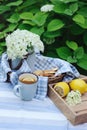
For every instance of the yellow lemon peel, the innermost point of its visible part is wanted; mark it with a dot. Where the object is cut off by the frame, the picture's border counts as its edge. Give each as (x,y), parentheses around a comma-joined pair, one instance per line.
(78,84)
(62,88)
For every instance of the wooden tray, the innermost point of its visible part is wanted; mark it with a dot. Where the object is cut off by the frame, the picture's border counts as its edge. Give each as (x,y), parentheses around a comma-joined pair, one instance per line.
(75,114)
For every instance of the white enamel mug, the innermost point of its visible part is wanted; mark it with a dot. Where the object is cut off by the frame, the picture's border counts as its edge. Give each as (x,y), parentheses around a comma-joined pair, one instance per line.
(27,86)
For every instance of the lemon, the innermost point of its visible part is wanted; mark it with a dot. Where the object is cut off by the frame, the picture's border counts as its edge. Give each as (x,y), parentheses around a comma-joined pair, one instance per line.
(78,84)
(62,88)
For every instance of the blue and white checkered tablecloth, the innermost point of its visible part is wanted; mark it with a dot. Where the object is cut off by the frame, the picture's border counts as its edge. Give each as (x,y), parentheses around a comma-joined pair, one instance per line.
(16,114)
(42,63)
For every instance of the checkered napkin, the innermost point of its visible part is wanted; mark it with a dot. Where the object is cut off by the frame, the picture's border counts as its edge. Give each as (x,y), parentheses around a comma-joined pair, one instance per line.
(42,63)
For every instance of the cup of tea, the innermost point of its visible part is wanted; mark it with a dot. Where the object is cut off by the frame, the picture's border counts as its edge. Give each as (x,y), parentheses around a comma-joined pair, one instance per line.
(26,87)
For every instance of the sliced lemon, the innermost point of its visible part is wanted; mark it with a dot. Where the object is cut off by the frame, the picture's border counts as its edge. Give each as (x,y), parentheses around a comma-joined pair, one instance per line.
(78,84)
(62,88)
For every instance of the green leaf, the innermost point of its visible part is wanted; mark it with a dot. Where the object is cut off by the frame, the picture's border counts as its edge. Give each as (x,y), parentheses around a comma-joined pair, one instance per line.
(2,47)
(10,28)
(2,34)
(85,38)
(26,15)
(63,52)
(71,59)
(37,30)
(84,26)
(24,26)
(83,11)
(14,18)
(40,18)
(2,44)
(60,8)
(55,25)
(73,7)
(79,19)
(48,41)
(28,3)
(79,52)
(17,3)
(55,1)
(68,12)
(29,22)
(65,9)
(83,62)
(3,9)
(72,45)
(52,34)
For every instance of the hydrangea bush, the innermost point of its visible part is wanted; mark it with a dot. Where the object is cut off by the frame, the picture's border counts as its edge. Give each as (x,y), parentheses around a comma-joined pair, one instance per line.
(61,25)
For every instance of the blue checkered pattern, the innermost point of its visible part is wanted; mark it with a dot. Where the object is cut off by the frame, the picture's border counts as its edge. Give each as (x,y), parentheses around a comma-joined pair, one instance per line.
(42,63)
(42,88)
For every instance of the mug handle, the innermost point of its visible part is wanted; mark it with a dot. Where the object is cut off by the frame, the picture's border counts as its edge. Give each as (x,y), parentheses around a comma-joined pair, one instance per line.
(16,90)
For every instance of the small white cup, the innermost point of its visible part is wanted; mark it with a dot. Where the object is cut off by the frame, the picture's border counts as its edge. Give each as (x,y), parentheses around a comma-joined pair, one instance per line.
(27,86)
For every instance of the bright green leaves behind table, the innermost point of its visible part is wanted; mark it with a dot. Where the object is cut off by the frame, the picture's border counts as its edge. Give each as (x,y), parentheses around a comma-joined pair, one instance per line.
(73,54)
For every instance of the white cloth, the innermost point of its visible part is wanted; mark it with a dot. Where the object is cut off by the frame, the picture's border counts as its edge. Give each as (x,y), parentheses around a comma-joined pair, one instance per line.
(31,115)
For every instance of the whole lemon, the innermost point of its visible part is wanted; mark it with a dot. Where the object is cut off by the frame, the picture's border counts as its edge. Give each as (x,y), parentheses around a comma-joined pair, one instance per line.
(62,88)
(78,84)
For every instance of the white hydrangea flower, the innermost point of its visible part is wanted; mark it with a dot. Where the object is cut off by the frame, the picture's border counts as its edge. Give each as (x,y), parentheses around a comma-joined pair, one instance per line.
(19,42)
(73,97)
(47,8)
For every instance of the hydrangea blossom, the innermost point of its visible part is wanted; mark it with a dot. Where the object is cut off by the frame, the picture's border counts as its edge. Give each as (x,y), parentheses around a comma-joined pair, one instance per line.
(20,41)
(73,98)
(47,8)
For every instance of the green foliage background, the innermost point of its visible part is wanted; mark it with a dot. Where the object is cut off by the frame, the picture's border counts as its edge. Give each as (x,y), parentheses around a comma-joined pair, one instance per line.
(63,30)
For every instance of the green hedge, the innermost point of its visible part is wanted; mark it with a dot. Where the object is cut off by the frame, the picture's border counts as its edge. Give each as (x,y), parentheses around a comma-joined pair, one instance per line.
(63,30)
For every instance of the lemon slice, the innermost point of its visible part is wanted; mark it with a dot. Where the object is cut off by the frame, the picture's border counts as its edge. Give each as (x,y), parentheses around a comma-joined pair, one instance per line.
(62,88)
